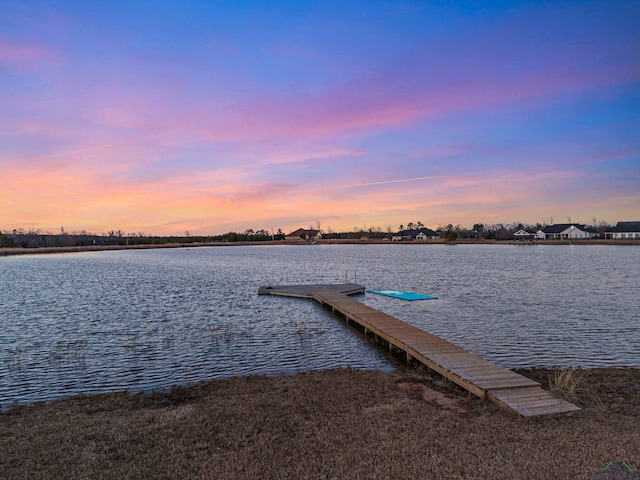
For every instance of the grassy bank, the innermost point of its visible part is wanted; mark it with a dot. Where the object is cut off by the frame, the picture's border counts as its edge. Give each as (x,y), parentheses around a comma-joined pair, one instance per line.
(330,424)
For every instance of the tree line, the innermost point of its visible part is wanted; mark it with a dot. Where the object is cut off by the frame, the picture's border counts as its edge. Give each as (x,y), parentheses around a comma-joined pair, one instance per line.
(20,238)
(36,238)
(496,231)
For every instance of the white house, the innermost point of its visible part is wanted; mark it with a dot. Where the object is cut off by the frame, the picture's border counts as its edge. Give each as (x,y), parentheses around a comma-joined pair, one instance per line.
(623,230)
(566,231)
(427,236)
(523,235)
(579,232)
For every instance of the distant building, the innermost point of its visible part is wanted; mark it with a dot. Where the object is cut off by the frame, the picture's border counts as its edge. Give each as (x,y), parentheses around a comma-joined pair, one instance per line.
(524,235)
(419,234)
(566,231)
(623,230)
(302,234)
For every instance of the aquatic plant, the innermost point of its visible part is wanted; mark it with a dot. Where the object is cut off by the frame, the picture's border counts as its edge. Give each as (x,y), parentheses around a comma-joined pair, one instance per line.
(15,358)
(307,329)
(72,350)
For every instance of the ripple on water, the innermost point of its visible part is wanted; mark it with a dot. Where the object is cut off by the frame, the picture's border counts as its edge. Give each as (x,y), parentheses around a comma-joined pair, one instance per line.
(146,320)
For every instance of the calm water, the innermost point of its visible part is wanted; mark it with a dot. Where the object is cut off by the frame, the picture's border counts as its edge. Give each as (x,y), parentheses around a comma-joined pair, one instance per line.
(144,320)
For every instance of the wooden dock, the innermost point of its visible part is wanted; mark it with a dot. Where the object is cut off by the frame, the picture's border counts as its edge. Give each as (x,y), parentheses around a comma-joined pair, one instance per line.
(475,374)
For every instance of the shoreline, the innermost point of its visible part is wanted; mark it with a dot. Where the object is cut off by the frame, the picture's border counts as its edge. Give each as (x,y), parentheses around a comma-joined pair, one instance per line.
(340,423)
(12,251)
(401,368)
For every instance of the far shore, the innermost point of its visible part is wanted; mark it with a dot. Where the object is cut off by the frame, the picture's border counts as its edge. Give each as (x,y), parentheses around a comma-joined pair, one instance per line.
(7,251)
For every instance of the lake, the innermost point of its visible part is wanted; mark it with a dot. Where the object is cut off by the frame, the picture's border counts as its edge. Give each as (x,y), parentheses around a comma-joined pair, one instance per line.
(149,319)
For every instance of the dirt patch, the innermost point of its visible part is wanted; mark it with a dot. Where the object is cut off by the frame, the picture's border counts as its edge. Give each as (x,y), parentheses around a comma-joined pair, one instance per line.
(430,395)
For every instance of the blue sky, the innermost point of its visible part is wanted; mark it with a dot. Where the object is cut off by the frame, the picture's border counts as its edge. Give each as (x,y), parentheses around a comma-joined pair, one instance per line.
(162,117)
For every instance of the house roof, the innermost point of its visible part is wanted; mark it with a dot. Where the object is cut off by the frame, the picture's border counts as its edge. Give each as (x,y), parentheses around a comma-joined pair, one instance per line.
(413,233)
(624,227)
(301,231)
(561,227)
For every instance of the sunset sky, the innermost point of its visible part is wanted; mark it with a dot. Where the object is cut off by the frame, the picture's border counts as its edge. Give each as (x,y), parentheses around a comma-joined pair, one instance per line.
(212,116)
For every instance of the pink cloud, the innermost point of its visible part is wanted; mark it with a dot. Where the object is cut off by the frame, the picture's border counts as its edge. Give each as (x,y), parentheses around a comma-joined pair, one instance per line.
(26,55)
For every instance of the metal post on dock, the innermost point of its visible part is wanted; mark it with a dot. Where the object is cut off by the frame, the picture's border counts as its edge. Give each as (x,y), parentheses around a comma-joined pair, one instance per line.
(346,276)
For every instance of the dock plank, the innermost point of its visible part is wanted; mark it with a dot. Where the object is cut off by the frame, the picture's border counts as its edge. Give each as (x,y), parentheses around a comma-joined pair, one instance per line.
(472,372)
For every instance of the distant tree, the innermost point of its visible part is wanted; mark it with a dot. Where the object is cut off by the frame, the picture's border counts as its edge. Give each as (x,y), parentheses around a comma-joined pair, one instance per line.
(420,225)
(6,241)
(410,226)
(478,228)
(450,235)
(401,227)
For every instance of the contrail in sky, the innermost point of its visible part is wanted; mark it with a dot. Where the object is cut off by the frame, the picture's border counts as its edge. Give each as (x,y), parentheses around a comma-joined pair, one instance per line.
(402,180)
(81,150)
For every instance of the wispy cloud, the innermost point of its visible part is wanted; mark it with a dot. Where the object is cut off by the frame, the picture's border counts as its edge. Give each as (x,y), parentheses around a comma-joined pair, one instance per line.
(21,55)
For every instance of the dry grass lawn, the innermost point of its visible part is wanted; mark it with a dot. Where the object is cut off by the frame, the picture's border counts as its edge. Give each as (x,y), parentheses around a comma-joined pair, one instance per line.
(328,424)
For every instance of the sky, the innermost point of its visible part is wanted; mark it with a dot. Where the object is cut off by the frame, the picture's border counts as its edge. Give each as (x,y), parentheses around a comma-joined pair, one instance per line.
(163,117)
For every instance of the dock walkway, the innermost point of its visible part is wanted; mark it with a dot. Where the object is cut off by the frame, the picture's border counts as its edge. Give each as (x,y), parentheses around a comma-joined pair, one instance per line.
(475,374)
